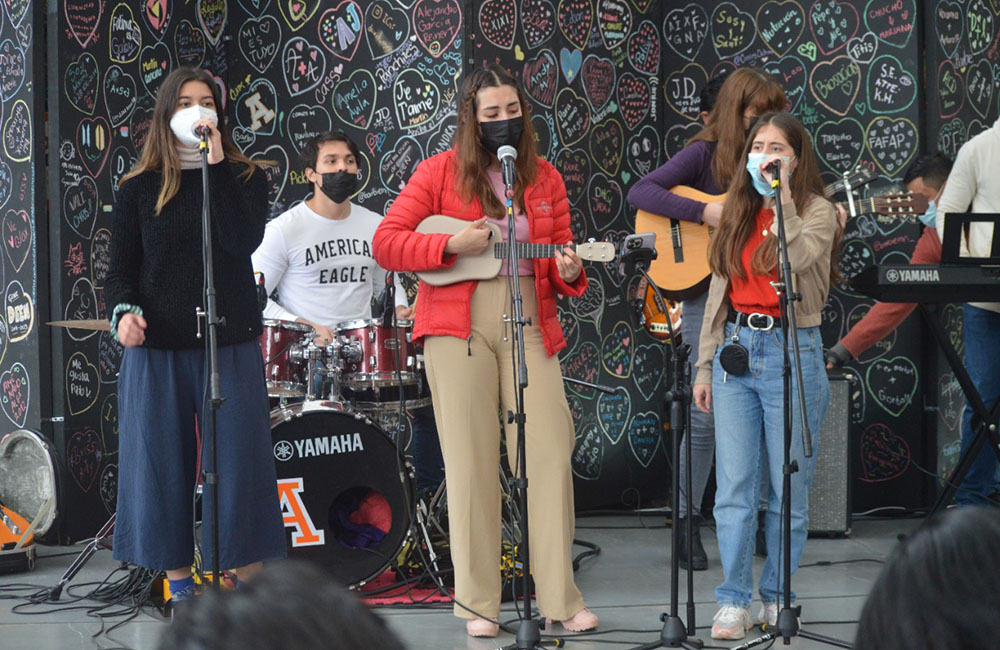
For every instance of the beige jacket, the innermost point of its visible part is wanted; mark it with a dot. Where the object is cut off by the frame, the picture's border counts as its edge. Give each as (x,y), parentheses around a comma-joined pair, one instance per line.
(810,238)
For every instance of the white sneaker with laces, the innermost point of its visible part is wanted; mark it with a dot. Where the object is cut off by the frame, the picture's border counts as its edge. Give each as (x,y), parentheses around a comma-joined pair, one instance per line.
(768,614)
(731,622)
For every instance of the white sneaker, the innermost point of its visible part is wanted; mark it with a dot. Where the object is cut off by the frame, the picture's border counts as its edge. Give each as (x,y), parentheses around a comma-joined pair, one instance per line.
(731,622)
(768,614)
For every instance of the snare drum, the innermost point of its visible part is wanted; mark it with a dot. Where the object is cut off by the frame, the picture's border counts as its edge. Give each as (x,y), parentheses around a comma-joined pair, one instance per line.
(283,344)
(344,499)
(387,357)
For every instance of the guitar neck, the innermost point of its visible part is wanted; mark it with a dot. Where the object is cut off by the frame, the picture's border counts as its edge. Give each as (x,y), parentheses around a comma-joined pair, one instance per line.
(527,250)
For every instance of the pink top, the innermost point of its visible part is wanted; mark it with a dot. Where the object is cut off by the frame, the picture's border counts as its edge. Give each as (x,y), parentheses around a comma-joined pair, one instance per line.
(524,266)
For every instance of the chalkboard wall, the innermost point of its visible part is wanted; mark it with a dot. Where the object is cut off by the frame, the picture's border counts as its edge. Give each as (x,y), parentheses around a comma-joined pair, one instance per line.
(613,88)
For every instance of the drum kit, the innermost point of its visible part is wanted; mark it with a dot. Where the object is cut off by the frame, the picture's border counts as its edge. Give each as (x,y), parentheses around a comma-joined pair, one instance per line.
(335,424)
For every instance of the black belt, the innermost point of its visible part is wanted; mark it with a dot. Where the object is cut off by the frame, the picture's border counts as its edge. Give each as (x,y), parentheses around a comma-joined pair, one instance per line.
(755,321)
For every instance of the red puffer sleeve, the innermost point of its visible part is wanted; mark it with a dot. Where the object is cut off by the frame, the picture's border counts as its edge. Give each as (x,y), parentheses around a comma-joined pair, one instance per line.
(397,247)
(561,233)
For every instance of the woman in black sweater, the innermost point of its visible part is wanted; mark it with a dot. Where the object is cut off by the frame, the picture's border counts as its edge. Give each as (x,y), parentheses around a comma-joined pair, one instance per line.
(154,287)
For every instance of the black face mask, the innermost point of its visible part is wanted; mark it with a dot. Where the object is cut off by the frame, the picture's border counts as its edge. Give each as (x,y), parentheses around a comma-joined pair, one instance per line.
(339,186)
(500,133)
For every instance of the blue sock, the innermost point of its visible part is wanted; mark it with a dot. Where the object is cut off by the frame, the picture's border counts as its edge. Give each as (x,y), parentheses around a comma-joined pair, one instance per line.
(180,585)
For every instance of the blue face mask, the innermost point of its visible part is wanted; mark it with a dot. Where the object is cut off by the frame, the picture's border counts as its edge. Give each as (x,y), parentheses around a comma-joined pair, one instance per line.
(754,161)
(929,218)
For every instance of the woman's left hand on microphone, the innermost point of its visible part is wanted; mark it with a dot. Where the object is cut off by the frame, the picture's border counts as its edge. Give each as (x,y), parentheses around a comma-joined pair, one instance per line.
(215,152)
(569,264)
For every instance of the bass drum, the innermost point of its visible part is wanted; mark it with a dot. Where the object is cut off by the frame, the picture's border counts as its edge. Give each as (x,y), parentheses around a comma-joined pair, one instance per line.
(345,492)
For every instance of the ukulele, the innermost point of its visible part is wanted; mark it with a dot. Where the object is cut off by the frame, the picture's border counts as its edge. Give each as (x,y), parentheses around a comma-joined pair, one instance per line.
(683,271)
(487,265)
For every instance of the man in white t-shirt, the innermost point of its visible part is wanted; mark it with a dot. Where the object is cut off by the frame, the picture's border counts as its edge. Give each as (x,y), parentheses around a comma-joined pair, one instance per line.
(318,254)
(973,183)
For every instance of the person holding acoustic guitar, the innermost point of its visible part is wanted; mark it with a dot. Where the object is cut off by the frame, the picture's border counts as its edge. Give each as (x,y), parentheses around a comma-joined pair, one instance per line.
(707,164)
(468,352)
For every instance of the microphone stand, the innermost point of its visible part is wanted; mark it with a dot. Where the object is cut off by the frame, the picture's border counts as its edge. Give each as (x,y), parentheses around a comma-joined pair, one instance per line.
(529,631)
(210,315)
(674,633)
(788,623)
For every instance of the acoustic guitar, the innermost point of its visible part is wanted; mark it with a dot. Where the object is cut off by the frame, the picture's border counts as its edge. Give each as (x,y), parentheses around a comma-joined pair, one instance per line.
(487,265)
(682,271)
(653,317)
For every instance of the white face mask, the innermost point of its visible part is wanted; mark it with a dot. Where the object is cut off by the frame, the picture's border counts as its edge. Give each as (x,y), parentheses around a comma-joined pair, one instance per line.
(183,121)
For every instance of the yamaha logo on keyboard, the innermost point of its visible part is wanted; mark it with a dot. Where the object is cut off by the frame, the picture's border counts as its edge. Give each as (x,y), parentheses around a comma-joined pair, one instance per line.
(912,275)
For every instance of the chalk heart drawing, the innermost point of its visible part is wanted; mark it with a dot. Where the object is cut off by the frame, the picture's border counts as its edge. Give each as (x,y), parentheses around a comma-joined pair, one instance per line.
(109,422)
(541,74)
(644,48)
(617,350)
(684,30)
(82,305)
(575,19)
(644,436)
(387,28)
(832,24)
(835,84)
(81,83)
(633,99)
(82,383)
(570,62)
(791,74)
(304,65)
(538,19)
(157,13)
(732,30)
(584,365)
(607,141)
(340,29)
(677,137)
(591,302)
(17,237)
(93,135)
(598,76)
(780,24)
(125,37)
(891,89)
(17,134)
(277,173)
(979,83)
(648,367)
(862,48)
(572,116)
(893,26)
(436,24)
(189,44)
(840,144)
(296,12)
(212,18)
(14,388)
(949,25)
(613,410)
(884,455)
(20,310)
(80,206)
(614,21)
(979,27)
(258,40)
(498,22)
(950,401)
(588,452)
(81,20)
(892,142)
(6,183)
(951,90)
(642,150)
(893,383)
(120,95)
(16,11)
(84,453)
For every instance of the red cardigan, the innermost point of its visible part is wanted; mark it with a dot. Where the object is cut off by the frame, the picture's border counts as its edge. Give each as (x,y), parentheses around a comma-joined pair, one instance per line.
(445,310)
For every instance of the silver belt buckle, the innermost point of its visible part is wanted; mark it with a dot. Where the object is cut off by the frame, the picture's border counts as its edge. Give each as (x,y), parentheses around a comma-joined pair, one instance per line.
(769,319)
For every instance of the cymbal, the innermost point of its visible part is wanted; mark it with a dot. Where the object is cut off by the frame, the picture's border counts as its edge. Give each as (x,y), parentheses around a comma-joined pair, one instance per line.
(100,324)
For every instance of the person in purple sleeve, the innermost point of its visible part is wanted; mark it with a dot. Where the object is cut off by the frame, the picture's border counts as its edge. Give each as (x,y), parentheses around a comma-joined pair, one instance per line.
(707,163)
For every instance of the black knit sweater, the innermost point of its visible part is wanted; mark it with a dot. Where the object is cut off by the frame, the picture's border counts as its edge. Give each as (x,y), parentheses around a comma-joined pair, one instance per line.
(156,260)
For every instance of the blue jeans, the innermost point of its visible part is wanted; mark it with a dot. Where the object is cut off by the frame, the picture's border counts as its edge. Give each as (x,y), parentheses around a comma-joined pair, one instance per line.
(702,426)
(427,460)
(982,360)
(749,420)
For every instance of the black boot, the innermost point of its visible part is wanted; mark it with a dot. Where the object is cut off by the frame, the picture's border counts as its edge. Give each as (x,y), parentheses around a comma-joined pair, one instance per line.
(694,550)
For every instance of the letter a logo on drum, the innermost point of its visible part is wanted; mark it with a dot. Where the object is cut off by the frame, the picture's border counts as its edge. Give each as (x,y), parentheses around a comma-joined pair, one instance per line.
(296,516)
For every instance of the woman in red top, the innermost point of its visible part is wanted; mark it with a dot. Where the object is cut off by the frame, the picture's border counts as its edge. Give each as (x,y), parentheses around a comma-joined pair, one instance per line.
(742,312)
(468,352)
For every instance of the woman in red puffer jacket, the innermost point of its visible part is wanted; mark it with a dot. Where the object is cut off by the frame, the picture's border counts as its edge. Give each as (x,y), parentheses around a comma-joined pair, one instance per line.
(468,352)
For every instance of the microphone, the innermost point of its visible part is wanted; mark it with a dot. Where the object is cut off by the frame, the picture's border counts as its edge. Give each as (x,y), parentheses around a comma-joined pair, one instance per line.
(201,131)
(261,292)
(507,155)
(774,167)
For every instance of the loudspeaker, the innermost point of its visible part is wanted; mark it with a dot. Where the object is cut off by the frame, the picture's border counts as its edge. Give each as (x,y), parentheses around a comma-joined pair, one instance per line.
(830,495)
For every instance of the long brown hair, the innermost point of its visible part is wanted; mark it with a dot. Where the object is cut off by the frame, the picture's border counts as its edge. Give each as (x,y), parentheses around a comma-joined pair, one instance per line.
(743,202)
(744,88)
(473,159)
(159,153)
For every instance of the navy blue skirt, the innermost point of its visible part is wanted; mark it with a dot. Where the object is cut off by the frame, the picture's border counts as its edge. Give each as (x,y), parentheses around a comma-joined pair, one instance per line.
(161,407)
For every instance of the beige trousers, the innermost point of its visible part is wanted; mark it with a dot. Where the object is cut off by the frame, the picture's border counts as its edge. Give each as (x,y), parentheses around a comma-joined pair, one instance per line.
(468,381)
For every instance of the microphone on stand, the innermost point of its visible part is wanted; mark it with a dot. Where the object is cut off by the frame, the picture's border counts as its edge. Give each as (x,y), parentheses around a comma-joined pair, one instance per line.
(261,292)
(201,131)
(774,167)
(389,300)
(507,155)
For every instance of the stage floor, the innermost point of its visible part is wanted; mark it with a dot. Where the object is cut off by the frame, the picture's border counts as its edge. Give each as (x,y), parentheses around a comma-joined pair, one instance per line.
(626,585)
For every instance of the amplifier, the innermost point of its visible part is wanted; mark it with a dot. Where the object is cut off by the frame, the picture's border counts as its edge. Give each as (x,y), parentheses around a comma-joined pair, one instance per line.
(830,495)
